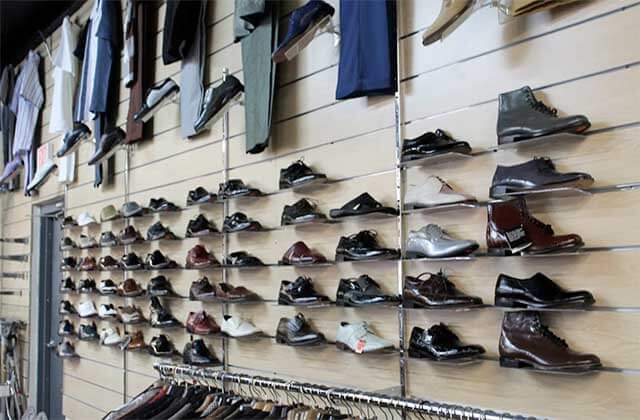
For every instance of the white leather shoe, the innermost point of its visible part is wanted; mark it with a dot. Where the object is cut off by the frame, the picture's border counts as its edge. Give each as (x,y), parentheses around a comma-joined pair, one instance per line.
(358,338)
(434,192)
(87,309)
(107,311)
(41,175)
(110,337)
(85,219)
(234,326)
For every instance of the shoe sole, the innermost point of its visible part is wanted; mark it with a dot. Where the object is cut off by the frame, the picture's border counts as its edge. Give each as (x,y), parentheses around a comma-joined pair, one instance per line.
(309,343)
(418,255)
(414,305)
(310,218)
(411,157)
(110,153)
(450,25)
(300,42)
(381,257)
(500,191)
(568,130)
(519,303)
(216,117)
(419,354)
(154,110)
(304,182)
(509,362)
(384,350)
(337,214)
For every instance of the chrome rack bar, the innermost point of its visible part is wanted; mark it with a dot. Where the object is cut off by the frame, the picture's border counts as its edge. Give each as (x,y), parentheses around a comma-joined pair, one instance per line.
(441,410)
(15,240)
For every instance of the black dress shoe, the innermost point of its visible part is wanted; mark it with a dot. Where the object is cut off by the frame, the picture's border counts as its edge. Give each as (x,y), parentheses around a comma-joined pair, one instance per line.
(537,292)
(160,286)
(298,174)
(67,286)
(88,332)
(162,205)
(87,286)
(68,222)
(439,343)
(159,231)
(297,332)
(432,144)
(200,226)
(108,239)
(521,116)
(535,174)
(108,146)
(363,246)
(68,263)
(131,261)
(160,316)
(217,100)
(303,211)
(158,261)
(361,291)
(196,353)
(67,243)
(238,222)
(73,139)
(155,97)
(66,329)
(66,350)
(361,205)
(129,235)
(435,292)
(200,196)
(243,259)
(161,346)
(234,188)
(300,293)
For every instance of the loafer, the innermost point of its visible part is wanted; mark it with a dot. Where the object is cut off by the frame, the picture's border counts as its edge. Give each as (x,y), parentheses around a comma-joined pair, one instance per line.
(359,338)
(41,175)
(432,144)
(217,100)
(302,211)
(432,241)
(73,139)
(439,343)
(242,259)
(300,293)
(435,291)
(298,174)
(200,196)
(132,209)
(299,254)
(108,146)
(155,98)
(200,226)
(297,331)
(239,222)
(235,188)
(538,292)
(162,205)
(361,205)
(363,246)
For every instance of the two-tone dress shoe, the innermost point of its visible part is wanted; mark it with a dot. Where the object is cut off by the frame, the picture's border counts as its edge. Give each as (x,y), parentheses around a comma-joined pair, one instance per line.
(157,96)
(109,144)
(73,139)
(217,100)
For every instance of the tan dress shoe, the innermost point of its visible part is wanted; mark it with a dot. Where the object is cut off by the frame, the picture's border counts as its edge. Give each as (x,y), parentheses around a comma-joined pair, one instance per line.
(451,11)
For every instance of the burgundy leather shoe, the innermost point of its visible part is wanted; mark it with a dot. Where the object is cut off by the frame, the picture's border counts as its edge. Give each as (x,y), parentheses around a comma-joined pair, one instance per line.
(198,257)
(300,254)
(200,323)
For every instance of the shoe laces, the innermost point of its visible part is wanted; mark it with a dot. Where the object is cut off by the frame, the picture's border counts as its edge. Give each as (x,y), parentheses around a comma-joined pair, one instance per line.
(547,228)
(442,332)
(365,238)
(546,332)
(545,164)
(541,106)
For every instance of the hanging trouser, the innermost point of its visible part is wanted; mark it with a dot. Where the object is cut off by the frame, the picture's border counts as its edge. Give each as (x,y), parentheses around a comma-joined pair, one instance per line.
(192,75)
(367,49)
(256,24)
(180,29)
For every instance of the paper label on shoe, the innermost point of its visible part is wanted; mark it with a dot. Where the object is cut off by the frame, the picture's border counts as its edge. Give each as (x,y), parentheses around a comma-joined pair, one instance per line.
(360,345)
(44,154)
(515,235)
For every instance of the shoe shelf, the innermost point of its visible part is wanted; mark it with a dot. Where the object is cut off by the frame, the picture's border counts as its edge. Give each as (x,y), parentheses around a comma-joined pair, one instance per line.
(552,192)
(241,198)
(23,240)
(245,232)
(311,224)
(463,361)
(16,257)
(435,159)
(445,207)
(317,265)
(458,258)
(367,217)
(379,353)
(552,138)
(451,308)
(312,306)
(247,267)
(307,187)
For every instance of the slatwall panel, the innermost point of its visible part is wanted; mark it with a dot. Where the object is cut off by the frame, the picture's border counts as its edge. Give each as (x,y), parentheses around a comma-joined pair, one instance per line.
(580,59)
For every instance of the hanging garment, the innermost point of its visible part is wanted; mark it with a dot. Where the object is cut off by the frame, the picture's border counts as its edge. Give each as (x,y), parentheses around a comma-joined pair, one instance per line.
(64,81)
(256,25)
(7,117)
(180,29)
(367,49)
(27,100)
(139,59)
(192,73)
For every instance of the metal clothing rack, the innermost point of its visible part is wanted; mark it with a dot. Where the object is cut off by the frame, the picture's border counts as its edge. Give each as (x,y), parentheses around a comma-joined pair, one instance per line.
(346,395)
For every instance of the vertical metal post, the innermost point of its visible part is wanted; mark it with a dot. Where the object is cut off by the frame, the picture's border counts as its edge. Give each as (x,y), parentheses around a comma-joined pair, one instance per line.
(127,179)
(225,213)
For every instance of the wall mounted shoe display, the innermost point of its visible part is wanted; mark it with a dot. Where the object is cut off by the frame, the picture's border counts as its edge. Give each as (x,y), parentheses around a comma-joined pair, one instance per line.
(300,293)
(435,291)
(88,332)
(160,286)
(87,263)
(200,196)
(66,328)
(107,311)
(304,22)
(439,343)
(451,12)
(228,293)
(198,258)
(155,98)
(109,213)
(237,327)
(363,246)
(301,255)
(108,239)
(159,231)
(297,331)
(522,116)
(161,205)
(67,285)
(41,175)
(68,264)
(131,261)
(202,290)
(196,353)
(129,235)
(242,259)
(73,139)
(66,350)
(519,7)
(87,286)
(511,229)
(200,226)
(432,144)
(538,173)
(235,188)
(362,291)
(434,192)
(538,292)
(87,309)
(160,316)
(130,288)
(110,337)
(107,287)
(85,219)
(86,242)
(67,244)
(239,222)
(217,100)
(130,315)
(362,205)
(109,144)
(132,209)
(161,346)
(526,342)
(66,308)
(298,174)
(200,323)
(431,241)
(302,211)
(108,263)
(358,338)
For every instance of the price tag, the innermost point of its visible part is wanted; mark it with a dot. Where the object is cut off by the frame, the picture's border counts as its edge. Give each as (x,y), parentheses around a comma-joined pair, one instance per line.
(360,345)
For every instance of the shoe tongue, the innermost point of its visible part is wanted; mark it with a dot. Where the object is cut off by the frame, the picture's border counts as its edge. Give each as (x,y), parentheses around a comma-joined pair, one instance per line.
(433,230)
(365,282)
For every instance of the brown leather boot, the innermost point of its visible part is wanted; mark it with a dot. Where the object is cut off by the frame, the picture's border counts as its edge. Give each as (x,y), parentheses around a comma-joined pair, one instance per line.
(526,342)
(511,230)
(137,341)
(200,323)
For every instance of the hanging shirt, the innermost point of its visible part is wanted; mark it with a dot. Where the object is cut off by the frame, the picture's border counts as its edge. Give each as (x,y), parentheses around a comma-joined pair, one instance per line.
(85,89)
(64,81)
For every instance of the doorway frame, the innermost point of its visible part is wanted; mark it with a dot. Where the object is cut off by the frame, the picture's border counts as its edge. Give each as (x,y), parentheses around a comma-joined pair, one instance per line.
(37,346)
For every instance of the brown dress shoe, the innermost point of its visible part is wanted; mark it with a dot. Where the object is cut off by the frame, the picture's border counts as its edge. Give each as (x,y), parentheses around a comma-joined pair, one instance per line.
(202,290)
(109,263)
(198,257)
(526,342)
(136,341)
(511,230)
(130,288)
(88,264)
(229,293)
(435,292)
(300,254)
(200,323)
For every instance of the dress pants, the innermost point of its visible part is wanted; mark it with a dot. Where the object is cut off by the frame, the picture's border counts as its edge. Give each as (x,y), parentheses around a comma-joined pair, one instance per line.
(192,75)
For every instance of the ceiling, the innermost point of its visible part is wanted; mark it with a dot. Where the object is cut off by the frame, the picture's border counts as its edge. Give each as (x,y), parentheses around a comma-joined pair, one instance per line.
(20,21)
